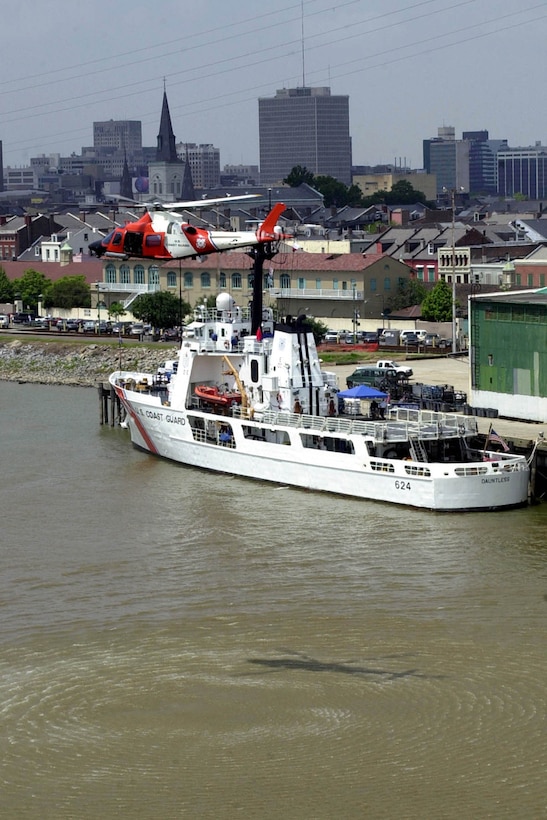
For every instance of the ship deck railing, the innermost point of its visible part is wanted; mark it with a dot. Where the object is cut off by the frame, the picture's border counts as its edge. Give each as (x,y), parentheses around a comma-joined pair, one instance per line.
(400,424)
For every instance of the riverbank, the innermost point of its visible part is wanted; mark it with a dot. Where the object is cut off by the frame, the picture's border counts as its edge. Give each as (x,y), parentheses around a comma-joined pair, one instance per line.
(81,364)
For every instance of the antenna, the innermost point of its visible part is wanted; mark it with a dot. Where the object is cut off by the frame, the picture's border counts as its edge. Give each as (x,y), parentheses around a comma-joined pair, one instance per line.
(302,38)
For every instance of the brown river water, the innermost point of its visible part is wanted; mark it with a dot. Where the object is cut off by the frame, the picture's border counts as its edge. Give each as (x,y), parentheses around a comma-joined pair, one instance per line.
(178,644)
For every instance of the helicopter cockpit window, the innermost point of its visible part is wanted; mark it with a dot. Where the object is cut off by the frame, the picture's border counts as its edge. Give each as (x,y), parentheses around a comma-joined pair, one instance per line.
(173,228)
(117,238)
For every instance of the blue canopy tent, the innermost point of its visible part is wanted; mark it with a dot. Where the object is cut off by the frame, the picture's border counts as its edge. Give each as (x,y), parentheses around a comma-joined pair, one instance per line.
(362,391)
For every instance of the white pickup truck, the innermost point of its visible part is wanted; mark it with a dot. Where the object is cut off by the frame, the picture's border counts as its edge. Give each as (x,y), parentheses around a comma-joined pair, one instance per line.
(401,369)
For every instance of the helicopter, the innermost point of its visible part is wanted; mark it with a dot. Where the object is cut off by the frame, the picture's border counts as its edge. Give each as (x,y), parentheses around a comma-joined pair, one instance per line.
(161,234)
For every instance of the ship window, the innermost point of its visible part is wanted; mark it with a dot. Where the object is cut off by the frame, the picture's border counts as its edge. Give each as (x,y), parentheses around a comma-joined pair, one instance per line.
(267,435)
(255,375)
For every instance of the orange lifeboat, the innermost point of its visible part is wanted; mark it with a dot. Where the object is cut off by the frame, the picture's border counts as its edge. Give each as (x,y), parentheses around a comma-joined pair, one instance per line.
(214,395)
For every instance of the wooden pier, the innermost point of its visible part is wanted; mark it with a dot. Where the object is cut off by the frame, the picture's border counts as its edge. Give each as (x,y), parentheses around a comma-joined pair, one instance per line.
(111,409)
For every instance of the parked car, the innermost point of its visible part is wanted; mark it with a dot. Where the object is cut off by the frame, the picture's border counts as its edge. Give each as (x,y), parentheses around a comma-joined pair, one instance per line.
(331,336)
(373,376)
(136,329)
(4,320)
(432,340)
(368,336)
(89,326)
(408,337)
(22,318)
(172,334)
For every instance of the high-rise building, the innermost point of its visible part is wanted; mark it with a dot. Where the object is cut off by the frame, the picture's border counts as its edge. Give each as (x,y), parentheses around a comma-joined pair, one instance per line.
(483,164)
(204,163)
(523,171)
(304,126)
(120,135)
(448,159)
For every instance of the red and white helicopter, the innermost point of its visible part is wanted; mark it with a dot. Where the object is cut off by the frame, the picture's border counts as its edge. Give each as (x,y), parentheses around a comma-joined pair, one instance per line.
(162,234)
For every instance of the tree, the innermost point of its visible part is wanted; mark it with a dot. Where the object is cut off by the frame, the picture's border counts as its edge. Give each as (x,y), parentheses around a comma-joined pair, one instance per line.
(437,305)
(409,292)
(31,286)
(116,310)
(402,193)
(299,175)
(69,292)
(6,287)
(161,310)
(318,328)
(336,193)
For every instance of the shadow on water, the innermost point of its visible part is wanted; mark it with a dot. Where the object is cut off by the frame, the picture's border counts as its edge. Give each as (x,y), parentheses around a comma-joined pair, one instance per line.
(301,662)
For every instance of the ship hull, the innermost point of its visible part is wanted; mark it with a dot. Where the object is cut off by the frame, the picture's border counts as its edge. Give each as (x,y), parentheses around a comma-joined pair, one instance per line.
(453,487)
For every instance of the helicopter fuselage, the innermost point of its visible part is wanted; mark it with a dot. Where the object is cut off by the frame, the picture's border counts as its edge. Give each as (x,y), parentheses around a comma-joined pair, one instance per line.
(163,235)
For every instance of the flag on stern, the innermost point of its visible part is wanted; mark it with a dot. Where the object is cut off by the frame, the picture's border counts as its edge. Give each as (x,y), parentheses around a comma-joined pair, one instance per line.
(494,438)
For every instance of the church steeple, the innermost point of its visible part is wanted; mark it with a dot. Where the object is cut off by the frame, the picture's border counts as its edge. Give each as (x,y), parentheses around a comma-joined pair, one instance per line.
(188,191)
(166,150)
(126,182)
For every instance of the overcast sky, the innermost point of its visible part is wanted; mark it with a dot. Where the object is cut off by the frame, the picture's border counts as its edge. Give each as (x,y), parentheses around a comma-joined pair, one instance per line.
(408,66)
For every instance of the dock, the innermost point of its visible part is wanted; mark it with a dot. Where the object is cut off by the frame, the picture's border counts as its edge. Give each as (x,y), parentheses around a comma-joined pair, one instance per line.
(111,410)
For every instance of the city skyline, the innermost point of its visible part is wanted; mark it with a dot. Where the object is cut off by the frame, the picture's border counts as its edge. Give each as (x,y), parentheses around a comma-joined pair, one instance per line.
(407,68)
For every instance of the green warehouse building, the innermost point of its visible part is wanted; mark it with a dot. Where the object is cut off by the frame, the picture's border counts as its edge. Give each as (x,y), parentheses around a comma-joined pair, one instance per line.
(508,353)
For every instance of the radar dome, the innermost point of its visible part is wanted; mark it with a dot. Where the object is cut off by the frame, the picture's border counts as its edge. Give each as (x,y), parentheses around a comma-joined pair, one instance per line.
(225,302)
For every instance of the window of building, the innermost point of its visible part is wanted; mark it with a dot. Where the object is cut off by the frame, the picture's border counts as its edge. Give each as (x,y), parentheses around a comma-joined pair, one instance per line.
(171,279)
(373,285)
(530,280)
(420,273)
(301,283)
(387,283)
(125,274)
(138,274)
(236,281)
(222,280)
(110,274)
(188,280)
(285,281)
(335,284)
(431,273)
(153,275)
(318,284)
(205,279)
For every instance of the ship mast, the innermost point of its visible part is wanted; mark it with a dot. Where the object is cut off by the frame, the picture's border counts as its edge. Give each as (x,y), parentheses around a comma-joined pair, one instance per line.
(266,250)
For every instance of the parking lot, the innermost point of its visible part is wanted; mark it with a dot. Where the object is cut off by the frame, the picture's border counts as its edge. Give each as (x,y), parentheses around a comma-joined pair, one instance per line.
(453,371)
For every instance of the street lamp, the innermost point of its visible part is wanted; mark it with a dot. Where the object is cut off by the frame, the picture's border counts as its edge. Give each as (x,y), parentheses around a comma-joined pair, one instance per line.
(453,196)
(453,205)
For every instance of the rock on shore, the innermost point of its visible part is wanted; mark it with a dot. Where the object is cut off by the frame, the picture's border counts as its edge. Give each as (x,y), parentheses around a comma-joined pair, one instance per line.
(84,365)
